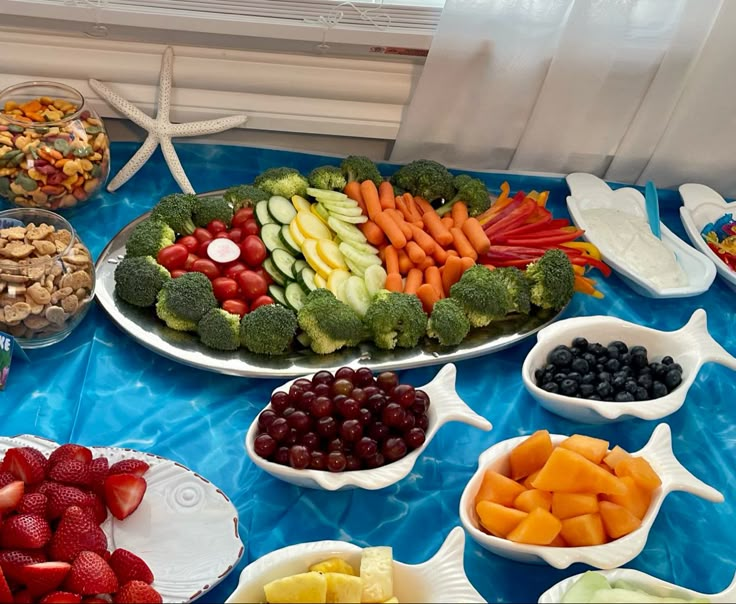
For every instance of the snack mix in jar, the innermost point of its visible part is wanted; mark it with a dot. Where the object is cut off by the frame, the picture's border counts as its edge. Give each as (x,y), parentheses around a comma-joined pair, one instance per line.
(54,150)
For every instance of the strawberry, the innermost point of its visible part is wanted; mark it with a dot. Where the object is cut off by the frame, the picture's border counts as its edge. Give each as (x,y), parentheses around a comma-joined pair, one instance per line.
(98,508)
(61,597)
(60,498)
(44,487)
(22,597)
(76,533)
(98,469)
(124,493)
(70,451)
(129,567)
(137,591)
(12,561)
(25,463)
(44,577)
(90,575)
(33,503)
(129,466)
(5,595)
(70,471)
(25,531)
(6,478)
(95,600)
(11,496)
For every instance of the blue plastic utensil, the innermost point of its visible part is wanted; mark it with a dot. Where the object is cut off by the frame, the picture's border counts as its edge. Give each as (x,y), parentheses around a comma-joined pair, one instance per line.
(652,203)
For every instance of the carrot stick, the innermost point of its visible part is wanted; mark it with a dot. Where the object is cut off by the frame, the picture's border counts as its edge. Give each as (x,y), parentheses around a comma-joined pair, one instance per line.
(436,228)
(426,263)
(386,195)
(405,263)
(402,224)
(394,282)
(412,205)
(423,204)
(433,277)
(391,259)
(459,213)
(467,263)
(428,295)
(391,229)
(352,190)
(448,221)
(403,208)
(476,235)
(452,252)
(440,254)
(416,254)
(372,232)
(453,270)
(414,279)
(462,245)
(423,240)
(370,196)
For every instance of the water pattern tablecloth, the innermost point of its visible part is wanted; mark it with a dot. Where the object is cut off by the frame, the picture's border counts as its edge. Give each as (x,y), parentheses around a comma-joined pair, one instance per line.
(99,387)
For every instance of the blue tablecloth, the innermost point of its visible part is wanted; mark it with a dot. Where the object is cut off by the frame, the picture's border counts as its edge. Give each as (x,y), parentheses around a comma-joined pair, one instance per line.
(100,388)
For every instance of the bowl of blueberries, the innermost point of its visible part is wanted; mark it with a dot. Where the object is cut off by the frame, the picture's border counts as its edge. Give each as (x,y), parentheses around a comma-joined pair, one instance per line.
(600,369)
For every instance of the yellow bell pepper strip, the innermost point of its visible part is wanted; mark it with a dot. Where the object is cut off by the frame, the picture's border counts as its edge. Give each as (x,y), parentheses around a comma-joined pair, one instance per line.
(542,199)
(585,247)
(586,285)
(501,202)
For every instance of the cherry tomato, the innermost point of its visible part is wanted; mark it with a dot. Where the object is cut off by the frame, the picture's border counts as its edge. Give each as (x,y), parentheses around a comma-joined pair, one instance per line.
(216,226)
(236,234)
(262,272)
(253,251)
(172,256)
(190,242)
(224,288)
(202,235)
(178,273)
(203,247)
(261,301)
(241,216)
(207,268)
(250,227)
(222,235)
(236,307)
(234,269)
(251,284)
(191,259)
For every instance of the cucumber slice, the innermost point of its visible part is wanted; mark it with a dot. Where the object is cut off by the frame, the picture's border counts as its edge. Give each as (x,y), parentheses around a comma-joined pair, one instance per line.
(326,194)
(320,282)
(311,226)
(278,277)
(281,209)
(342,204)
(296,233)
(375,279)
(345,230)
(277,293)
(295,296)
(261,213)
(340,293)
(307,278)
(320,212)
(356,295)
(300,203)
(363,248)
(339,212)
(271,236)
(284,262)
(303,339)
(329,251)
(358,258)
(297,268)
(288,242)
(335,280)
(355,268)
(311,255)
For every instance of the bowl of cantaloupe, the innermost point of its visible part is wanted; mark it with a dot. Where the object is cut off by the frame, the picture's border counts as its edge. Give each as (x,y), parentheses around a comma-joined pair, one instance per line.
(555,499)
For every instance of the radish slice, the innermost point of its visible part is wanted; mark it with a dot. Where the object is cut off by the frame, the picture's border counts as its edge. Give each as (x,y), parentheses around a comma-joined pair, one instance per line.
(223,251)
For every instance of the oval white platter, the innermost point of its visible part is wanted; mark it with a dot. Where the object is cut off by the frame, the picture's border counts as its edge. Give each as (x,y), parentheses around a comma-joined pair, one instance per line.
(589,191)
(186,529)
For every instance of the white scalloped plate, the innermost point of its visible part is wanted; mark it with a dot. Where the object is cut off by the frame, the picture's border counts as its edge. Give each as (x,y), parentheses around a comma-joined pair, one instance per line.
(186,529)
(440,579)
(658,452)
(445,406)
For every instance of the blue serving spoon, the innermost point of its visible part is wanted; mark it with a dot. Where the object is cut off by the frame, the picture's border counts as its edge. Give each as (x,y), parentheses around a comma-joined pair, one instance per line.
(652,204)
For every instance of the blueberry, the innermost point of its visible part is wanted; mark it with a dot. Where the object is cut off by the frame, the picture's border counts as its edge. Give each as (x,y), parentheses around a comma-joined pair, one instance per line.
(613,351)
(631,386)
(668,360)
(602,358)
(580,343)
(575,376)
(618,383)
(646,370)
(586,390)
(621,346)
(675,367)
(658,370)
(625,371)
(605,389)
(624,397)
(550,368)
(561,357)
(658,390)
(596,349)
(636,350)
(569,388)
(588,378)
(599,367)
(576,352)
(589,358)
(639,361)
(580,365)
(605,376)
(548,377)
(645,381)
(609,399)
(538,373)
(673,379)
(613,365)
(625,359)
(558,377)
(551,387)
(641,394)
(594,397)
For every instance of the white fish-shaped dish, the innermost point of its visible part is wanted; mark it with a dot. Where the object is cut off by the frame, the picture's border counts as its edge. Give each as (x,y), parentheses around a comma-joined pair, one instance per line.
(658,452)
(642,581)
(445,406)
(701,206)
(691,346)
(590,192)
(440,579)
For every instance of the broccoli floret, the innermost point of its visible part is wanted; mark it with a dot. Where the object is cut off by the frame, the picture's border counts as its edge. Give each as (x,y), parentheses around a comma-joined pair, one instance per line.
(139,279)
(245,196)
(552,280)
(360,168)
(183,301)
(425,178)
(327,177)
(471,191)
(484,298)
(285,182)
(269,329)
(517,287)
(396,319)
(149,237)
(220,330)
(207,209)
(329,323)
(176,211)
(448,322)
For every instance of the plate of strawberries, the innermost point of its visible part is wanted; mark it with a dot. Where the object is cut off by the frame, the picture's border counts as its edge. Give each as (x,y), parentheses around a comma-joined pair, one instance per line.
(106,524)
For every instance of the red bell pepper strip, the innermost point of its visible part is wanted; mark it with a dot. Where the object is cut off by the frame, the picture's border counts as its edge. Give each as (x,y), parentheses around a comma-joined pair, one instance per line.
(584,259)
(544,239)
(495,217)
(539,225)
(511,220)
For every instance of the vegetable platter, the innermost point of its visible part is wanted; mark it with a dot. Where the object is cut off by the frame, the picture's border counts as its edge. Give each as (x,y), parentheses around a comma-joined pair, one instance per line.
(295,273)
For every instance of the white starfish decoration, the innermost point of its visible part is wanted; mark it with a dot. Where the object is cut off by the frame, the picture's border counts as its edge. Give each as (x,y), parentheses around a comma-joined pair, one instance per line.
(161,130)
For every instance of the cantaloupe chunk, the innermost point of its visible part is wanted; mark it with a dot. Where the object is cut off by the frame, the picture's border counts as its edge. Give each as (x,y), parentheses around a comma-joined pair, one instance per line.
(617,520)
(640,470)
(533,498)
(567,505)
(498,519)
(593,449)
(583,530)
(558,542)
(527,482)
(614,456)
(538,528)
(530,455)
(498,489)
(635,499)
(569,472)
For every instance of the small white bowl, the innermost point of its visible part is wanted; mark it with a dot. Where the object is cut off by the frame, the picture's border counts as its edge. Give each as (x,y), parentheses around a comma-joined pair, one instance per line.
(658,452)
(589,191)
(703,205)
(440,579)
(691,346)
(642,581)
(445,406)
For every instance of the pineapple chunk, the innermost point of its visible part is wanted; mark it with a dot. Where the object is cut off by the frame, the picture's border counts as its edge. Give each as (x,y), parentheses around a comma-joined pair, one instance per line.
(377,572)
(298,589)
(343,589)
(333,565)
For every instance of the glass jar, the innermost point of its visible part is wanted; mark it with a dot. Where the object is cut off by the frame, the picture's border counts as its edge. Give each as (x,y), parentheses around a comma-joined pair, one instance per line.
(54,149)
(47,277)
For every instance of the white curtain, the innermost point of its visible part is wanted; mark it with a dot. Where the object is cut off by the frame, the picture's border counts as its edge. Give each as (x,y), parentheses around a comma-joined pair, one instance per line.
(629,90)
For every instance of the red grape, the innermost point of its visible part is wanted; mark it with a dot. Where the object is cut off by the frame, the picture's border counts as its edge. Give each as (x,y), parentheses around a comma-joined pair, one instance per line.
(408,423)
(422,422)
(305,401)
(282,456)
(300,421)
(336,461)
(392,415)
(387,380)
(374,462)
(414,438)
(321,407)
(265,418)
(371,390)
(393,449)
(322,389)
(351,430)
(323,377)
(290,438)
(336,444)
(359,395)
(403,394)
(366,447)
(299,457)
(342,386)
(348,408)
(264,445)
(279,401)
(352,463)
(310,440)
(327,427)
(363,377)
(379,431)
(376,403)
(318,460)
(365,417)
(345,373)
(278,429)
